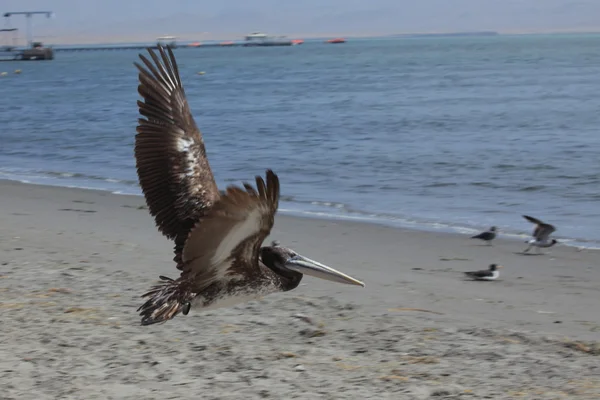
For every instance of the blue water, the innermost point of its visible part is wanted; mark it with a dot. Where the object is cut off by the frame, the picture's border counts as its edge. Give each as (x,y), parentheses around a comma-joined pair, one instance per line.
(434,133)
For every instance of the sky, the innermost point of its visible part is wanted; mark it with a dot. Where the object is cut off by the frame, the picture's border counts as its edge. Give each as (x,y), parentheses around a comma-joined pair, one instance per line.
(83,21)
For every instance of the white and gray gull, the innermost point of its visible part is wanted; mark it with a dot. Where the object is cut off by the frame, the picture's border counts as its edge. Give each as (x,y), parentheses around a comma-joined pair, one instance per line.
(218,235)
(541,235)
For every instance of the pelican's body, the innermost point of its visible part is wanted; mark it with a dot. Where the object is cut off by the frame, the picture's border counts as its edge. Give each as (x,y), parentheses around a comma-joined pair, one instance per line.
(486,236)
(241,289)
(490,274)
(541,235)
(236,293)
(218,234)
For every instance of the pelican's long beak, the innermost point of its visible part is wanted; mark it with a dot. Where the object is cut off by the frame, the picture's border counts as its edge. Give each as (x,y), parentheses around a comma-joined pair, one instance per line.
(499,266)
(310,267)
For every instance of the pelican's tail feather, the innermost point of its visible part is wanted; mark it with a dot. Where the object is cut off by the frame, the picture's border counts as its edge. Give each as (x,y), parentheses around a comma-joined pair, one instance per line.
(165,300)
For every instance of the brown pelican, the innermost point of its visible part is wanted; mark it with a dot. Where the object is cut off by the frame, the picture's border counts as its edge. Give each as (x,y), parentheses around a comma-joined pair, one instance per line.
(486,236)
(218,234)
(541,234)
(489,274)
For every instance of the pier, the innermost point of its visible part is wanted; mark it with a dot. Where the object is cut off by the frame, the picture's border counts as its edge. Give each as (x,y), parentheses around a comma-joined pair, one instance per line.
(256,39)
(47,53)
(35,50)
(143,47)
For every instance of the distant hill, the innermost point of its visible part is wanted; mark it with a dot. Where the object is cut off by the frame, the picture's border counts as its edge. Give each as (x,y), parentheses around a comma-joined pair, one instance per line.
(449,34)
(146,19)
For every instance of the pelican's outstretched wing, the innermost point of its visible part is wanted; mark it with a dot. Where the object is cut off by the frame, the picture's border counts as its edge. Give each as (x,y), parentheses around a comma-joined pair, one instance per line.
(171,161)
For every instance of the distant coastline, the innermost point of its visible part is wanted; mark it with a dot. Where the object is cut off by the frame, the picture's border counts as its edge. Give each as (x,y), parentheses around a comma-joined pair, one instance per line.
(203,37)
(448,34)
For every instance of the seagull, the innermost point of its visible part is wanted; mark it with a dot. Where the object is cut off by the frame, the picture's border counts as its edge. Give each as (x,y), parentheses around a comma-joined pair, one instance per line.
(489,274)
(487,236)
(218,234)
(541,234)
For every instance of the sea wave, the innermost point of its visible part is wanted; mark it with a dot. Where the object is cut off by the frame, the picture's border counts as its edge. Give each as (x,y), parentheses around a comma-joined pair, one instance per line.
(295,207)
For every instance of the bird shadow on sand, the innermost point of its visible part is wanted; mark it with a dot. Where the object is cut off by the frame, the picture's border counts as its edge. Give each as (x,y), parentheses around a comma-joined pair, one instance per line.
(520,253)
(77,210)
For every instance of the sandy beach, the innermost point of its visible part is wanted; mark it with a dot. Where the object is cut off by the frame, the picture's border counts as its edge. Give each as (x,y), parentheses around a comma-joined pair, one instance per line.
(74,262)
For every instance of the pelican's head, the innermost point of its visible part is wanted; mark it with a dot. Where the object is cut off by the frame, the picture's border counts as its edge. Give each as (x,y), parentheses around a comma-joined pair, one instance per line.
(292,266)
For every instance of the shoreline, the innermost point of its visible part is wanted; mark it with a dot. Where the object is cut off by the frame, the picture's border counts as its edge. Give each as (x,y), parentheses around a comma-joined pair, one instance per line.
(370,219)
(445,254)
(74,263)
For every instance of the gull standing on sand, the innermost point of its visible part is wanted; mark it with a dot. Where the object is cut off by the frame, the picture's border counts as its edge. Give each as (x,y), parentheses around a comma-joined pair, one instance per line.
(489,274)
(218,235)
(487,236)
(541,234)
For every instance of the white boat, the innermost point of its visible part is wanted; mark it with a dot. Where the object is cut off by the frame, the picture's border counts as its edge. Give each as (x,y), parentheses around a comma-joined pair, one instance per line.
(256,35)
(167,41)
(262,39)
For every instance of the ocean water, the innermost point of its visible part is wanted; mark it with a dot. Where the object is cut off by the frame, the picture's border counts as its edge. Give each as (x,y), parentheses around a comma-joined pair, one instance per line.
(434,133)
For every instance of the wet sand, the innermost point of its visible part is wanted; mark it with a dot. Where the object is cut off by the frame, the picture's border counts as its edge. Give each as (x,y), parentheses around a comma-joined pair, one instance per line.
(73,264)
